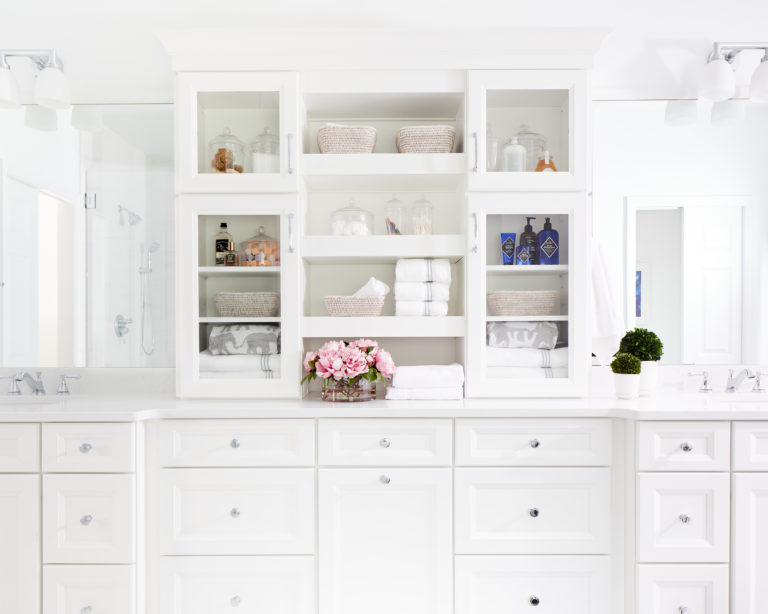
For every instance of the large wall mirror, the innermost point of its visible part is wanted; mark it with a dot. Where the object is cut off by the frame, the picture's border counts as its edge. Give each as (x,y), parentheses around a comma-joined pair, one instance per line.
(86,215)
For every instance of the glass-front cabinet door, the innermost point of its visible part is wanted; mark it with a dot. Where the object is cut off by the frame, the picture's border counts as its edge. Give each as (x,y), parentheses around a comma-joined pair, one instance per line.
(526,292)
(237,132)
(238,294)
(526,129)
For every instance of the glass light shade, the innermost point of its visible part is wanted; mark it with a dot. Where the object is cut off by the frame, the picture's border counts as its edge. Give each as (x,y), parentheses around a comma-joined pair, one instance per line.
(681,113)
(718,81)
(9,90)
(758,88)
(52,89)
(41,118)
(728,112)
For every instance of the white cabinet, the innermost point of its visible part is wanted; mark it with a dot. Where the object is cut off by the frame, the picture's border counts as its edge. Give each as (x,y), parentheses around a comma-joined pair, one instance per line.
(749,566)
(89,589)
(88,448)
(750,446)
(550,584)
(682,589)
(683,446)
(532,511)
(385,541)
(19,448)
(19,542)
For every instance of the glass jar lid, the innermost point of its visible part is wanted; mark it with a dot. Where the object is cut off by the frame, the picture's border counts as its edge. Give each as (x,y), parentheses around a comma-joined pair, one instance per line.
(267,142)
(226,138)
(351,208)
(394,203)
(260,235)
(525,134)
(423,202)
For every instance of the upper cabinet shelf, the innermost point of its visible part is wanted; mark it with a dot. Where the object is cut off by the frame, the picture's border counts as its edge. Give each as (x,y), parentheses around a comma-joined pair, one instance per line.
(381,248)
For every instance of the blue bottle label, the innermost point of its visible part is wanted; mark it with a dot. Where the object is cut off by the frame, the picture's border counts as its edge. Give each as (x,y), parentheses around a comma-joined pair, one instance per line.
(549,247)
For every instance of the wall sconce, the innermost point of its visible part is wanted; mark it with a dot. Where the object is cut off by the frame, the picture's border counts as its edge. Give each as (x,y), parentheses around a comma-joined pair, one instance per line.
(718,82)
(51,86)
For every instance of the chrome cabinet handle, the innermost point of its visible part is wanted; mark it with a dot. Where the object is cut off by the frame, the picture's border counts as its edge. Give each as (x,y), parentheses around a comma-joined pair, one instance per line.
(234,512)
(384,479)
(475,167)
(682,609)
(235,601)
(235,443)
(533,512)
(290,232)
(86,520)
(685,518)
(534,600)
(476,244)
(686,447)
(384,443)
(85,448)
(535,443)
(289,139)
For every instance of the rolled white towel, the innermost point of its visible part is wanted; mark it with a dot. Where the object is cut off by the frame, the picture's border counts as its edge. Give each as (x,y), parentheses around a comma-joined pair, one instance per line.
(419,269)
(373,287)
(421,308)
(526,357)
(421,291)
(239,362)
(527,372)
(541,335)
(429,376)
(424,394)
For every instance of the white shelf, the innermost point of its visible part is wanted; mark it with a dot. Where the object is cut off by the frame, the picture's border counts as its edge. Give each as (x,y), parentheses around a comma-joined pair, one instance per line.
(381,248)
(535,269)
(526,318)
(383,326)
(221,320)
(237,271)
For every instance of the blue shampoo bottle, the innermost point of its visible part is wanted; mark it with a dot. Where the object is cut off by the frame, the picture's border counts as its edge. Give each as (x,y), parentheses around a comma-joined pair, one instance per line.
(549,244)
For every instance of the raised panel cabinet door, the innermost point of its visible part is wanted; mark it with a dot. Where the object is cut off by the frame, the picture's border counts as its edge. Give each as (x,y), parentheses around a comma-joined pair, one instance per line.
(750,446)
(235,511)
(682,589)
(89,519)
(89,589)
(20,544)
(682,517)
(227,585)
(551,584)
(683,446)
(385,541)
(19,448)
(749,567)
(88,448)
(532,511)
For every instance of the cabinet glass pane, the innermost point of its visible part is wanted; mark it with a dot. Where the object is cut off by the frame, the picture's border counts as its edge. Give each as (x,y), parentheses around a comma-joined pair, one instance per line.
(238,132)
(538,120)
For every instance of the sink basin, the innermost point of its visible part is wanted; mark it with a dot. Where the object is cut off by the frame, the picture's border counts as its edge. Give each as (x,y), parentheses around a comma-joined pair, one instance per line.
(742,397)
(28,399)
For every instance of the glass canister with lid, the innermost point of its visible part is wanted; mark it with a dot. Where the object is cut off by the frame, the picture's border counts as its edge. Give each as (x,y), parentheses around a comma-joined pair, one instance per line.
(534,144)
(395,216)
(265,153)
(260,250)
(351,220)
(226,153)
(421,217)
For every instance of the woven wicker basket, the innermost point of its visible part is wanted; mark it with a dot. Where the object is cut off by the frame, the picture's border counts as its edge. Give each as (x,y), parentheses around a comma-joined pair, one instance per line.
(247,304)
(354,306)
(346,139)
(425,139)
(522,302)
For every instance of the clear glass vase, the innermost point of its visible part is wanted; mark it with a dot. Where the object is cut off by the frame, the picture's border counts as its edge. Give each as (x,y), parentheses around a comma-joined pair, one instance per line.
(343,391)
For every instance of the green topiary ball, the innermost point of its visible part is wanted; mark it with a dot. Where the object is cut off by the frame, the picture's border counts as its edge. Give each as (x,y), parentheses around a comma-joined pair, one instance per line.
(643,344)
(625,364)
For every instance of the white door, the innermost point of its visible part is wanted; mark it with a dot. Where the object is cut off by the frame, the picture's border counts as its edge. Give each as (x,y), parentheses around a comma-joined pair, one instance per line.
(749,567)
(385,541)
(20,543)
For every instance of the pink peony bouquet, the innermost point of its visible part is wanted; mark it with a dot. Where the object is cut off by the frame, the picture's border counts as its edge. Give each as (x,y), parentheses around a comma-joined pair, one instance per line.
(349,362)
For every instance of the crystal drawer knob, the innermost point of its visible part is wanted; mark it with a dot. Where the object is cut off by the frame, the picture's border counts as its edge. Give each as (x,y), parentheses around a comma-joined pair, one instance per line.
(234,512)
(535,443)
(235,444)
(235,601)
(682,609)
(533,512)
(84,449)
(534,600)
(86,520)
(86,610)
(686,447)
(384,443)
(685,518)
(384,479)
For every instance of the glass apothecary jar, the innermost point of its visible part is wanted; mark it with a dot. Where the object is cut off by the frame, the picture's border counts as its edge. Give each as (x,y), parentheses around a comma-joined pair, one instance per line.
(421,217)
(265,153)
(351,220)
(534,144)
(260,250)
(226,153)
(395,216)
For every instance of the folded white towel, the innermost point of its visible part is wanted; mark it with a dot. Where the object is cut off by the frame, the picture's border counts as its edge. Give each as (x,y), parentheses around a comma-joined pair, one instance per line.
(373,287)
(527,372)
(424,394)
(240,362)
(421,291)
(239,375)
(417,269)
(421,308)
(244,339)
(540,335)
(428,376)
(526,357)
(607,326)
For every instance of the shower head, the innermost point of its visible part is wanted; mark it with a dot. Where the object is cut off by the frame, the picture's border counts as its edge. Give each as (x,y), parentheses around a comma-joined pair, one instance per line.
(128,215)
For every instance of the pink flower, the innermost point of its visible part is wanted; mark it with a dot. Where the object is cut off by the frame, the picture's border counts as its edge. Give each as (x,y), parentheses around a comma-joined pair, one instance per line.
(384,363)
(364,344)
(355,362)
(311,356)
(324,367)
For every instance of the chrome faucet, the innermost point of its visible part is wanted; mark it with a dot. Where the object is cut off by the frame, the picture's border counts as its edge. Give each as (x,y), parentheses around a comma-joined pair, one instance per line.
(734,382)
(35,383)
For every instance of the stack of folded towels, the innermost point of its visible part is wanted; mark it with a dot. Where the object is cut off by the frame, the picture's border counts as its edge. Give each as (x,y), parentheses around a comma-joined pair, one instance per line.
(422,287)
(242,351)
(424,382)
(525,350)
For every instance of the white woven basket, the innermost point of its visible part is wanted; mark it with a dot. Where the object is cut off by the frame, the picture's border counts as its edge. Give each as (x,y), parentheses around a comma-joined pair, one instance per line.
(354,306)
(425,139)
(247,304)
(522,302)
(346,139)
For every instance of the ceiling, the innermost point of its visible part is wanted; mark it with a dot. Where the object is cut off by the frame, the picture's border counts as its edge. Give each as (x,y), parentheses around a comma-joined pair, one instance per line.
(111,54)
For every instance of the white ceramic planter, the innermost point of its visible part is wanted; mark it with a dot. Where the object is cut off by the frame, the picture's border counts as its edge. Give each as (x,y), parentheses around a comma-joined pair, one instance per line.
(649,377)
(627,386)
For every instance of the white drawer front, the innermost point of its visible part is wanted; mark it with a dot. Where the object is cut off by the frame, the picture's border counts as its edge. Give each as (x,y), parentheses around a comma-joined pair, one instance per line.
(682,589)
(89,589)
(750,446)
(221,585)
(384,442)
(19,448)
(682,517)
(532,511)
(88,448)
(89,518)
(235,443)
(553,585)
(235,511)
(683,446)
(539,442)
